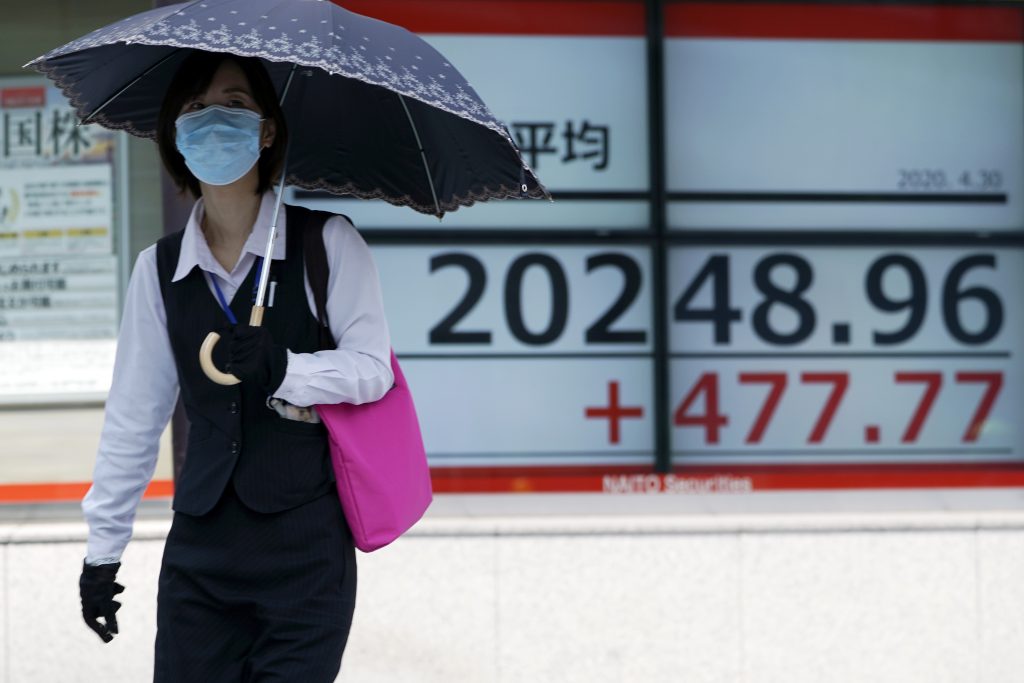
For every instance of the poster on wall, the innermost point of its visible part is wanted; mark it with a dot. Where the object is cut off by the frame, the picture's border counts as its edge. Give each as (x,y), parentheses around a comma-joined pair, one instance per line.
(585,136)
(58,270)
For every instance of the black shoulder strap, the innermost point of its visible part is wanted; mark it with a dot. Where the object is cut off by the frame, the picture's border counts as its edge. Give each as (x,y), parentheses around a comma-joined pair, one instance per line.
(317,270)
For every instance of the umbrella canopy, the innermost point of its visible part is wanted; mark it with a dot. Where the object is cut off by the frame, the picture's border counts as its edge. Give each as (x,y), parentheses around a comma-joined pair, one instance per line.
(373,110)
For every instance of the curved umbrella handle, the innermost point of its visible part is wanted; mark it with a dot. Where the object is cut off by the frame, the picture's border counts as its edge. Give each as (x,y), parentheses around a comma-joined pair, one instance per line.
(206,352)
(206,362)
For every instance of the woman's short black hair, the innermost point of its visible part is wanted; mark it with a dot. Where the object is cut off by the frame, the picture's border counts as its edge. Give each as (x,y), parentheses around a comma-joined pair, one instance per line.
(193,77)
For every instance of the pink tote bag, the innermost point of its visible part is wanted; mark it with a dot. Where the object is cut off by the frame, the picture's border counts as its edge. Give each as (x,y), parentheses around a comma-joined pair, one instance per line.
(380,464)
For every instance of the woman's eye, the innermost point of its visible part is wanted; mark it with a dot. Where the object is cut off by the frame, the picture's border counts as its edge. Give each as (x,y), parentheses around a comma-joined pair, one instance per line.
(195,106)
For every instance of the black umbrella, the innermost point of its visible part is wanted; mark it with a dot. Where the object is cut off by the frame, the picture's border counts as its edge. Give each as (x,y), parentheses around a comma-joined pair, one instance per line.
(377,112)
(373,111)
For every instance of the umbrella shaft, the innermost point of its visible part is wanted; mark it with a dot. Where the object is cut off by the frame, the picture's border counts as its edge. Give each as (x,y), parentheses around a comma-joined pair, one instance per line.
(261,292)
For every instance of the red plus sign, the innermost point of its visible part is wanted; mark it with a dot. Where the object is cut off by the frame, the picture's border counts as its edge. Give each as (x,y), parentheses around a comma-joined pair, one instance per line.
(614,412)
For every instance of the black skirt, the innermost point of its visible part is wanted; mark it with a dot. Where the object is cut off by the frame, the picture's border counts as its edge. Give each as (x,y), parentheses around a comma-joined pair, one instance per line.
(247,596)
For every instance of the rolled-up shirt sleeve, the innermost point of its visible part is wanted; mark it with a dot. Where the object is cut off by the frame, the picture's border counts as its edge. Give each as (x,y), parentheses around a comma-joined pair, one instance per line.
(143,393)
(359,370)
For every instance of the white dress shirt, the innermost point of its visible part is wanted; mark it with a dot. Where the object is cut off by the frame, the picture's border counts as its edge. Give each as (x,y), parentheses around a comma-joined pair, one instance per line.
(144,389)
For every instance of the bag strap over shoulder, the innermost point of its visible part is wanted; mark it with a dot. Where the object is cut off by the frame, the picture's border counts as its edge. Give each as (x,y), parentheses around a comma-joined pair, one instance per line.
(315,256)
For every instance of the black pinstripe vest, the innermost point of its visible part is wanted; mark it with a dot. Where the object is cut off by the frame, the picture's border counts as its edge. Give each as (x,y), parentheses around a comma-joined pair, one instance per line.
(275,464)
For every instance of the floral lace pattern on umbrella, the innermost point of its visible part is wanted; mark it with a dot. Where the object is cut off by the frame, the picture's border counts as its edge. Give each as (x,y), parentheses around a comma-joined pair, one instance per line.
(423,75)
(452,204)
(336,41)
(346,189)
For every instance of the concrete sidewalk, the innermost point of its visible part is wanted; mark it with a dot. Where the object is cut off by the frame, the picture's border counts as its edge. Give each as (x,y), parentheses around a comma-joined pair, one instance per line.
(664,592)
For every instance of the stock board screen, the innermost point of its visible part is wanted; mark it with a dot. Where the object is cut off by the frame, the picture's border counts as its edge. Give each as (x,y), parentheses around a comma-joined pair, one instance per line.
(832,296)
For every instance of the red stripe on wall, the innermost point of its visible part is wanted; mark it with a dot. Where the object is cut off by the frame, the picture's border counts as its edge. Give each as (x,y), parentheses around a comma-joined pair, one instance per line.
(69,491)
(819,477)
(640,480)
(508,17)
(843,22)
(735,479)
(581,479)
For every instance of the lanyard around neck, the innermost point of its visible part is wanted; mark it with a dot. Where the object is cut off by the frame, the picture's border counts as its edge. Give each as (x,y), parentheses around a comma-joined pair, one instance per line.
(223,300)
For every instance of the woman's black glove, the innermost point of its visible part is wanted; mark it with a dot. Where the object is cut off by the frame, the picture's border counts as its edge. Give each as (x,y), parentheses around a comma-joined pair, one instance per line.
(98,589)
(255,358)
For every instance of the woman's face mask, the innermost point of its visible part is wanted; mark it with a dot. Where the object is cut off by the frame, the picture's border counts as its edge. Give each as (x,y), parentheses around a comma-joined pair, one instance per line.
(220,144)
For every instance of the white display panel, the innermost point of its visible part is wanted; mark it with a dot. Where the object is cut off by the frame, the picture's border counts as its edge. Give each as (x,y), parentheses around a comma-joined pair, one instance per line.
(880,354)
(480,300)
(919,133)
(540,411)
(845,299)
(525,354)
(581,134)
(773,410)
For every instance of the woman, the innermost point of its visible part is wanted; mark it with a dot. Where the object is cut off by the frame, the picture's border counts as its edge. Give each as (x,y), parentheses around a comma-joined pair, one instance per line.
(258,576)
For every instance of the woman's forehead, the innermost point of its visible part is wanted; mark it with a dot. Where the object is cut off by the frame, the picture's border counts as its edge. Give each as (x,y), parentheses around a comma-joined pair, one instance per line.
(229,77)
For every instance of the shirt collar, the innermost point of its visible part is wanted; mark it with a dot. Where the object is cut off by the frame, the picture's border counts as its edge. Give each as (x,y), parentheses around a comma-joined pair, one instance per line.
(196,252)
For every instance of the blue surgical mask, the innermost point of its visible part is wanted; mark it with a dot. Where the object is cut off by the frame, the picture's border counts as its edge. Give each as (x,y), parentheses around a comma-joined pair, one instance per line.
(220,144)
